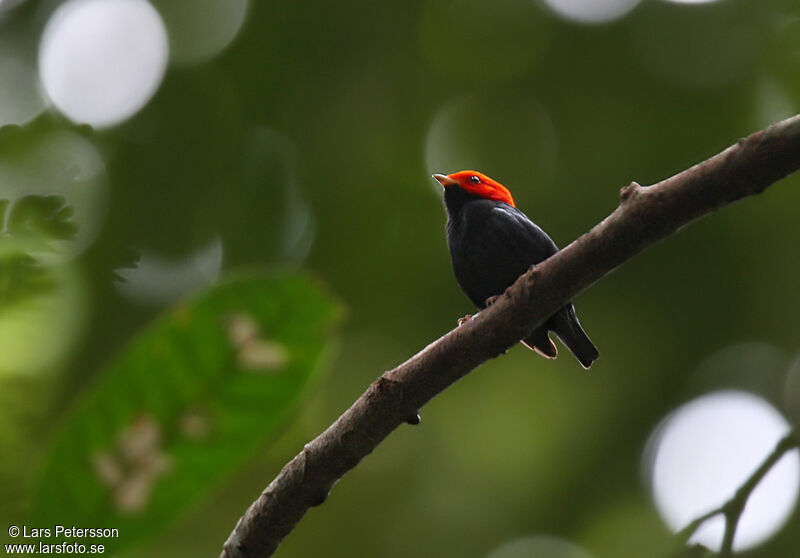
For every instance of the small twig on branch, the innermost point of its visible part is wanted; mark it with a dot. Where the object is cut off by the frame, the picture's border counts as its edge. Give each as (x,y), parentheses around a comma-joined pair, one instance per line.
(645,216)
(732,509)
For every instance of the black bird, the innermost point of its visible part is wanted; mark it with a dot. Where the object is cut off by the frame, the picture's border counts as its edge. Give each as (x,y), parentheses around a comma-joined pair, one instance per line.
(492,243)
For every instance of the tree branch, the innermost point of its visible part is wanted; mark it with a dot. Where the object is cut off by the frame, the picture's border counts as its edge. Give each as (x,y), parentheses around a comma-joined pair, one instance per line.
(644,216)
(732,509)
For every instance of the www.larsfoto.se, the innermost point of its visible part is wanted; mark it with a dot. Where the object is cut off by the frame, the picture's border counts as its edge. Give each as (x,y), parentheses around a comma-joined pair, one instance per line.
(44,548)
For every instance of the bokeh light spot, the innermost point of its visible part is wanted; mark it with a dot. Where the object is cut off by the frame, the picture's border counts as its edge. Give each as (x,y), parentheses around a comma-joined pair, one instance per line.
(20,99)
(263,199)
(511,138)
(8,5)
(158,280)
(100,61)
(705,450)
(37,335)
(201,29)
(772,103)
(63,164)
(591,11)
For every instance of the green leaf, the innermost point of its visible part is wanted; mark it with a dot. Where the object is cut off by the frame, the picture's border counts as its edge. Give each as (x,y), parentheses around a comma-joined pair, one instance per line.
(190,399)
(3,207)
(44,218)
(26,230)
(126,260)
(21,277)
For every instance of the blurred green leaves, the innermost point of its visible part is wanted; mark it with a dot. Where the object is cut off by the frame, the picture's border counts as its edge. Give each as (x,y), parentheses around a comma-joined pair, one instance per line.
(190,399)
(484,40)
(28,227)
(43,218)
(21,277)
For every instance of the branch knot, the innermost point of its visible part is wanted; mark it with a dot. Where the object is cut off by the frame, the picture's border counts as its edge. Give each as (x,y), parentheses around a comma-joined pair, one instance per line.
(630,192)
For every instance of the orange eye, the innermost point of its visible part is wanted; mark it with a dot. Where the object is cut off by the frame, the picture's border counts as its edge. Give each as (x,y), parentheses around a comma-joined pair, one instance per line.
(475,179)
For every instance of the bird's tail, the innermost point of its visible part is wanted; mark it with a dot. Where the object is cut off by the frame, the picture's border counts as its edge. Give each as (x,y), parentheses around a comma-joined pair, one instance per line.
(566,326)
(539,341)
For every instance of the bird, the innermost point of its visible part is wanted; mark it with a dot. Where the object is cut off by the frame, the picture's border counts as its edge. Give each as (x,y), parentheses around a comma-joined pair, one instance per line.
(491,244)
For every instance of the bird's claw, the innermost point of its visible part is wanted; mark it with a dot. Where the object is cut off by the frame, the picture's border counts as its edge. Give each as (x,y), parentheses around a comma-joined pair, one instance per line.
(465,319)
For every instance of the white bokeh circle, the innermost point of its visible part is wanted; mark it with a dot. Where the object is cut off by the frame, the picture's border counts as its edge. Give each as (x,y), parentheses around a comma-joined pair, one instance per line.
(706,449)
(36,335)
(20,101)
(100,61)
(591,11)
(66,164)
(8,5)
(510,137)
(159,280)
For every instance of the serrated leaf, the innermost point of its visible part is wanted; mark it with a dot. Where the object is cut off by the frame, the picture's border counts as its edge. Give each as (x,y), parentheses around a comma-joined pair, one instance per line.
(44,218)
(183,405)
(125,261)
(26,229)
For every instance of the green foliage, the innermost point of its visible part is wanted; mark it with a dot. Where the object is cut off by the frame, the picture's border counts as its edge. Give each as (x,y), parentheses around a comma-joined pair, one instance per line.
(189,400)
(28,228)
(44,218)
(21,278)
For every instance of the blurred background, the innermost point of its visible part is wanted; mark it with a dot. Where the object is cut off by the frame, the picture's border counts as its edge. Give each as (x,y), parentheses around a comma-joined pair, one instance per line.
(152,150)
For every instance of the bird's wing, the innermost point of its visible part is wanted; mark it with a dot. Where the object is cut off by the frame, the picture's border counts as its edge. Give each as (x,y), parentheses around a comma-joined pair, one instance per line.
(520,236)
(499,246)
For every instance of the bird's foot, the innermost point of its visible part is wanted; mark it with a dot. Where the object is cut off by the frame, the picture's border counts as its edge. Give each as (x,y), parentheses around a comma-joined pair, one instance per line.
(491,300)
(465,319)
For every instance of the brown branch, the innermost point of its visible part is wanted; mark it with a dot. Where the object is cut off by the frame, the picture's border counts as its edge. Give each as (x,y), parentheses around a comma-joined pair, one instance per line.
(732,509)
(645,215)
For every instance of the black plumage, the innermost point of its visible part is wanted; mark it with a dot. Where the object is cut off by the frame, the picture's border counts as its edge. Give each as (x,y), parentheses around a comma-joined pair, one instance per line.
(492,243)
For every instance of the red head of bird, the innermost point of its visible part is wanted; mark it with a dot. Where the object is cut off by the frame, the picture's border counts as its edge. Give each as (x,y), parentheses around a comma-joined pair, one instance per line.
(477,184)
